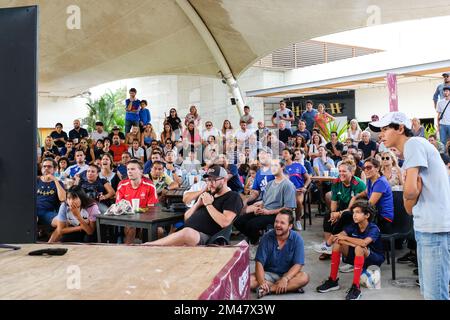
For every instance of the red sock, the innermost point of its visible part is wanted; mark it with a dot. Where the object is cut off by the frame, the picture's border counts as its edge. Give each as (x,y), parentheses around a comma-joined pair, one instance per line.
(335,260)
(359,264)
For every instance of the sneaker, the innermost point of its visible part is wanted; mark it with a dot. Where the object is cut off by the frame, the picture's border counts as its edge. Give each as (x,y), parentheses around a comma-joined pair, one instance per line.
(323,248)
(417,283)
(298,226)
(346,268)
(253,250)
(328,285)
(407,258)
(354,293)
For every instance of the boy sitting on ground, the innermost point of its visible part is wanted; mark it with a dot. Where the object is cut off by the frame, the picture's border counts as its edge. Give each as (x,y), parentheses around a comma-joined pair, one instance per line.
(360,244)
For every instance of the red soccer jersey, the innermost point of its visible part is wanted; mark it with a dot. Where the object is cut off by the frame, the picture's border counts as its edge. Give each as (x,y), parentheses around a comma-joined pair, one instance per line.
(146,192)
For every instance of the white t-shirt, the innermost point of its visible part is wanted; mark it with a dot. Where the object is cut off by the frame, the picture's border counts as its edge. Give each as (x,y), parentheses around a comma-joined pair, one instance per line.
(211,132)
(242,136)
(97,136)
(432,211)
(440,108)
(136,154)
(287,113)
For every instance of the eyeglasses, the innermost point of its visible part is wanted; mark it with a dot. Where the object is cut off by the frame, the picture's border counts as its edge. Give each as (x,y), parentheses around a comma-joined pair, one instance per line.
(367,168)
(213,180)
(385,158)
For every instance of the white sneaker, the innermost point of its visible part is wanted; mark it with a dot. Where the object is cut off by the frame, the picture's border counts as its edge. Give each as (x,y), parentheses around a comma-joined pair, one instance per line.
(323,248)
(346,268)
(298,226)
(253,250)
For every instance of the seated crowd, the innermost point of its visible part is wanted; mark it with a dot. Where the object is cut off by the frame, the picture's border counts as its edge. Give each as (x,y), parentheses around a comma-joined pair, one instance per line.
(253,178)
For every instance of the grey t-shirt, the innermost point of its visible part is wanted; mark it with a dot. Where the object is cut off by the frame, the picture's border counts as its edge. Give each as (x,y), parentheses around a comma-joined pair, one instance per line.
(432,211)
(279,195)
(440,108)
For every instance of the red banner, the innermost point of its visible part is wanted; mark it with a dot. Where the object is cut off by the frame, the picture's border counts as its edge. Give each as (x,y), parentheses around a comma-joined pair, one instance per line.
(393,95)
(233,281)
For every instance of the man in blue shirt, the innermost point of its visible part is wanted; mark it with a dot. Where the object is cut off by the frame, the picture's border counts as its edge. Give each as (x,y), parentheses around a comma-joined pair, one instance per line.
(302,131)
(439,93)
(234,183)
(132,107)
(144,115)
(309,116)
(280,259)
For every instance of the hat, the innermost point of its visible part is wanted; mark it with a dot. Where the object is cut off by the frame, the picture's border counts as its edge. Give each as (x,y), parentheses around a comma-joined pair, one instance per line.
(266,150)
(215,172)
(445,74)
(116,128)
(390,118)
(99,123)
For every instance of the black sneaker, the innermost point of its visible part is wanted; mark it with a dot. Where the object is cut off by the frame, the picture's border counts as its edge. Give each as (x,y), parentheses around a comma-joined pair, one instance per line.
(328,285)
(353,293)
(407,258)
(418,283)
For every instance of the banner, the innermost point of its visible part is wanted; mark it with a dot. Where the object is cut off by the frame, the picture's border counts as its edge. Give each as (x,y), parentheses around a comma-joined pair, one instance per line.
(393,95)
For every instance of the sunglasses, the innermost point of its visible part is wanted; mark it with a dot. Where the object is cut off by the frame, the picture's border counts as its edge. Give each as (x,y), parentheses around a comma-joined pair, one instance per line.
(385,158)
(209,125)
(367,168)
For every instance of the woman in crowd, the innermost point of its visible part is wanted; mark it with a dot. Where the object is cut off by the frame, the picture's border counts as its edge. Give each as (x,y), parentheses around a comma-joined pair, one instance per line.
(227,133)
(49,149)
(390,169)
(250,179)
(148,136)
(300,143)
(354,131)
(169,146)
(322,118)
(106,171)
(193,116)
(316,142)
(106,145)
(98,149)
(175,123)
(191,137)
(211,150)
(134,134)
(167,132)
(379,193)
(88,151)
(63,164)
(417,129)
(75,221)
(136,151)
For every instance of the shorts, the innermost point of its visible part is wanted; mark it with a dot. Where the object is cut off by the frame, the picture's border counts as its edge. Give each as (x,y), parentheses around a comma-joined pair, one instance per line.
(204,238)
(372,259)
(272,277)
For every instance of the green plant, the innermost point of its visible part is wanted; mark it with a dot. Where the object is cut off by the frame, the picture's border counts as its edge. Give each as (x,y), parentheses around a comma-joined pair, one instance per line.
(333,126)
(429,130)
(109,109)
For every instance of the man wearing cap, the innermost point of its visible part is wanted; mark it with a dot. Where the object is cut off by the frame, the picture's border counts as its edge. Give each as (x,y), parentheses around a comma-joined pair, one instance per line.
(443,116)
(439,93)
(98,133)
(214,210)
(425,195)
(59,136)
(374,136)
(116,132)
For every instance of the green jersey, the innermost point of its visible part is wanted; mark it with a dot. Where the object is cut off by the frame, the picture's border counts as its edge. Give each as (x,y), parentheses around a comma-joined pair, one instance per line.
(342,194)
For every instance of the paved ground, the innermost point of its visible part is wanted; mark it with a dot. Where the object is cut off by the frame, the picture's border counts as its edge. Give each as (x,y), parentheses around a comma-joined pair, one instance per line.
(403,289)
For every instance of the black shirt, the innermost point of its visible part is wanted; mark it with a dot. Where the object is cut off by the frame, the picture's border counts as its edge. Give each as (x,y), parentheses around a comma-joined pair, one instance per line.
(54,150)
(93,190)
(81,133)
(201,219)
(339,147)
(55,135)
(70,156)
(284,135)
(174,122)
(367,148)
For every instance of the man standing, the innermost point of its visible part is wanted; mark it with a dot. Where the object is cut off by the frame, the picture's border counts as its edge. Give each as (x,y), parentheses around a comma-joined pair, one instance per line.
(309,116)
(132,108)
(439,93)
(280,259)
(77,133)
(59,136)
(242,135)
(425,195)
(302,131)
(99,133)
(214,210)
(248,118)
(118,148)
(136,187)
(50,193)
(335,147)
(368,147)
(283,114)
(79,167)
(144,116)
(443,115)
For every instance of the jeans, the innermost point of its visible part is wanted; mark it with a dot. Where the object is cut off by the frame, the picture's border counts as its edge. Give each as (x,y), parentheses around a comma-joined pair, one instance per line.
(129,124)
(433,257)
(46,217)
(444,132)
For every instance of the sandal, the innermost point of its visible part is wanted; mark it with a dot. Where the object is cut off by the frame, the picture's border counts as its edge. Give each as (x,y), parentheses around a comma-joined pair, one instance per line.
(325,256)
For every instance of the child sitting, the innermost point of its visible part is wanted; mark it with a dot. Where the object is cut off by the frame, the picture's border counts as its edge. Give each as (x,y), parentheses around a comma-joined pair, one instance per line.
(360,244)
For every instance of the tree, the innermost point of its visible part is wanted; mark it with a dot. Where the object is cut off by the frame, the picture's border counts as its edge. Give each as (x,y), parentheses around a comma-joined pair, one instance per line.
(109,109)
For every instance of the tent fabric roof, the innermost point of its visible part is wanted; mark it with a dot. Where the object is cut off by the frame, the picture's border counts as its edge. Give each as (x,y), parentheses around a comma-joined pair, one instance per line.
(122,39)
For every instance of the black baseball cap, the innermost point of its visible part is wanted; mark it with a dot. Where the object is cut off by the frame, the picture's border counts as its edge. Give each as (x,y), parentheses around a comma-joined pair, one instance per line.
(445,74)
(99,123)
(215,172)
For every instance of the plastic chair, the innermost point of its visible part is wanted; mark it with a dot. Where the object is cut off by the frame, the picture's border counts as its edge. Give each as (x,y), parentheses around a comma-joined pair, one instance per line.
(402,227)
(221,238)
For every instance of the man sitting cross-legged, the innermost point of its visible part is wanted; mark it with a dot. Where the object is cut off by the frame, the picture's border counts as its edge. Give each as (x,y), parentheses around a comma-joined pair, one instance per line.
(360,244)
(280,259)
(214,210)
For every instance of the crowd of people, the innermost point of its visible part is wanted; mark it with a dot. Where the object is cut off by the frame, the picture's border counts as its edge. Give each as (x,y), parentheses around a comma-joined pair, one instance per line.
(254,178)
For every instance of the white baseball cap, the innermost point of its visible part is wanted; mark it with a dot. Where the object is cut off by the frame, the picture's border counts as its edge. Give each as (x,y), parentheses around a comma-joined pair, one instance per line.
(391,118)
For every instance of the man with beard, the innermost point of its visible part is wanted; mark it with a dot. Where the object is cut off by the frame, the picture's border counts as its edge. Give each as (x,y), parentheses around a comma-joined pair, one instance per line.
(77,133)
(213,211)
(118,148)
(280,259)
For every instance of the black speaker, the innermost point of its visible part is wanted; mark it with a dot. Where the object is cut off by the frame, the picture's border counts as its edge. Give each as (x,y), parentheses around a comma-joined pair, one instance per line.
(233,101)
(18,124)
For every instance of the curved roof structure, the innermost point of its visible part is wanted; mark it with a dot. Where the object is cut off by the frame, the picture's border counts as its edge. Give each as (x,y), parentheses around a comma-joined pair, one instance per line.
(121,39)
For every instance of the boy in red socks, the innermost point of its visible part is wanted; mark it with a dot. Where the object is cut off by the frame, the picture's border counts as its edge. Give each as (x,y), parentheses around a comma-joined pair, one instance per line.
(360,244)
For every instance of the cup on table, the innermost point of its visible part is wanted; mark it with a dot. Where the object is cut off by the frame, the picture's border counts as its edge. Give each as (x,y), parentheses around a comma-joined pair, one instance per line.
(135,204)
(326,174)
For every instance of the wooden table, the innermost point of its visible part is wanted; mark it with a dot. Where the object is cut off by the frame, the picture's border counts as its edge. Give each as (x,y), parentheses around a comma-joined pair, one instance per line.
(323,179)
(113,272)
(150,220)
